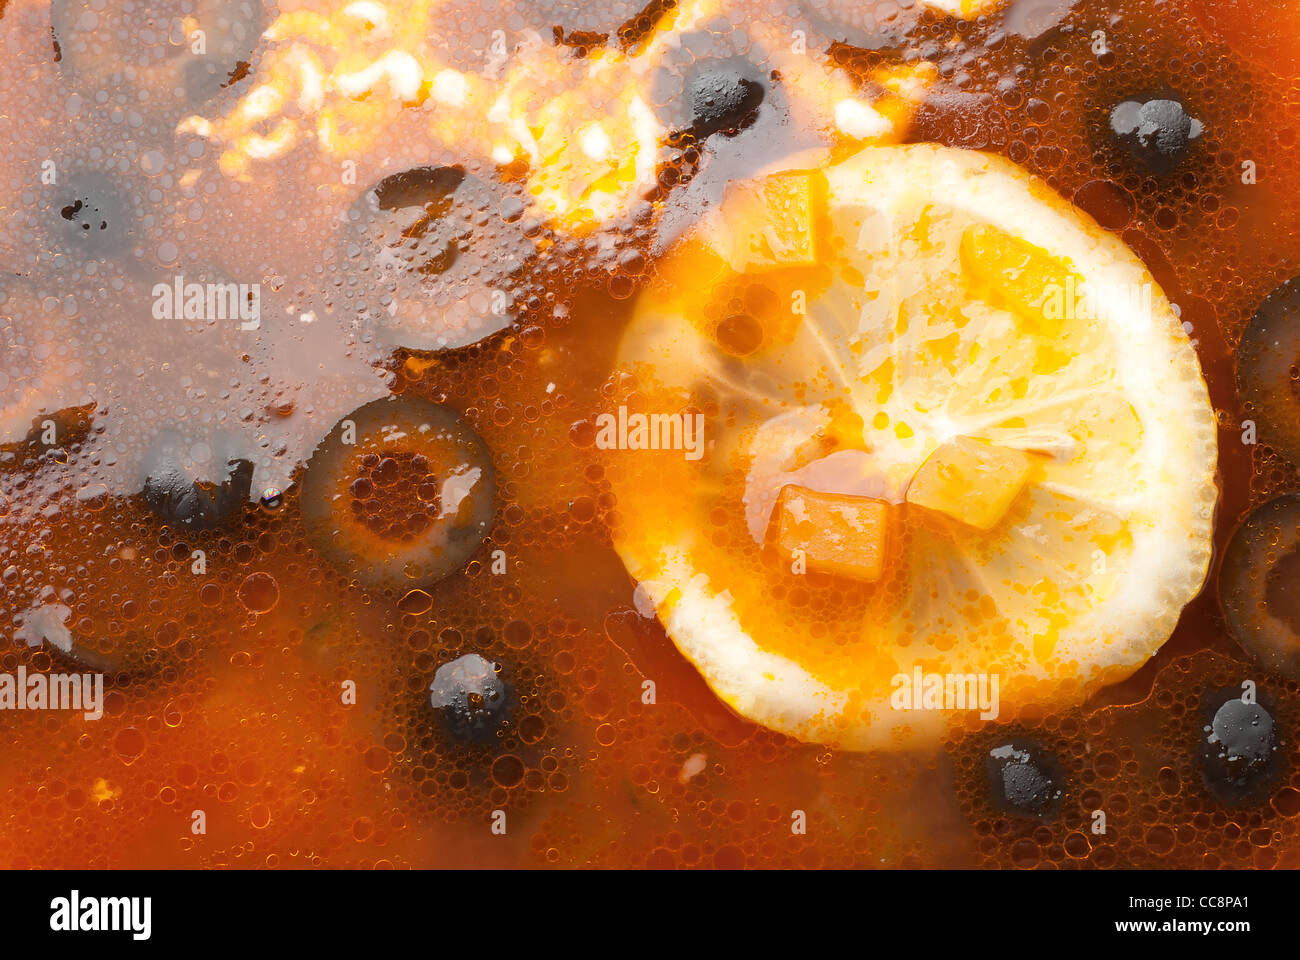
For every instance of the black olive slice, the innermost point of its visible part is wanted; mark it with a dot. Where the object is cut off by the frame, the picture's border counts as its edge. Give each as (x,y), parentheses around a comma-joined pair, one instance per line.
(444,254)
(1259,585)
(1268,369)
(400,494)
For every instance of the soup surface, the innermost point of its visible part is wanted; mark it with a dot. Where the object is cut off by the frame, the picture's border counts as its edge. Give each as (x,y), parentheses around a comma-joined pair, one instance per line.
(323,331)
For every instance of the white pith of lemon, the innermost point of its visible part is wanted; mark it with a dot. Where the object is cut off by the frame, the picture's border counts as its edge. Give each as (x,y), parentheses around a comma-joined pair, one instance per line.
(905,338)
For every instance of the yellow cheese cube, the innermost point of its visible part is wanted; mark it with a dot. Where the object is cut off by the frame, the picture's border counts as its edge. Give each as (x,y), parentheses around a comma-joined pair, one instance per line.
(833,533)
(773,222)
(970,480)
(1032,282)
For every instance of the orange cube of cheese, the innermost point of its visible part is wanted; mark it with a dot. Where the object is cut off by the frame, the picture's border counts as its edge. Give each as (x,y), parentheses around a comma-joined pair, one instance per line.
(1031,281)
(833,533)
(773,222)
(970,480)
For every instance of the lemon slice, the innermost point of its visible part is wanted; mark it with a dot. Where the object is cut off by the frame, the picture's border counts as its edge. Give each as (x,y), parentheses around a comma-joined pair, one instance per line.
(957,448)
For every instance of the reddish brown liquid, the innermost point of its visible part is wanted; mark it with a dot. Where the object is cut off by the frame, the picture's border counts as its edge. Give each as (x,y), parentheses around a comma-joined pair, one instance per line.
(233,704)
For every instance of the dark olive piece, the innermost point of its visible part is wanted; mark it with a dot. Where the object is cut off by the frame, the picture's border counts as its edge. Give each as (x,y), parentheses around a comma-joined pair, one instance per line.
(197,498)
(400,494)
(471,699)
(1259,585)
(1025,779)
(721,98)
(1239,748)
(1268,369)
(1156,133)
